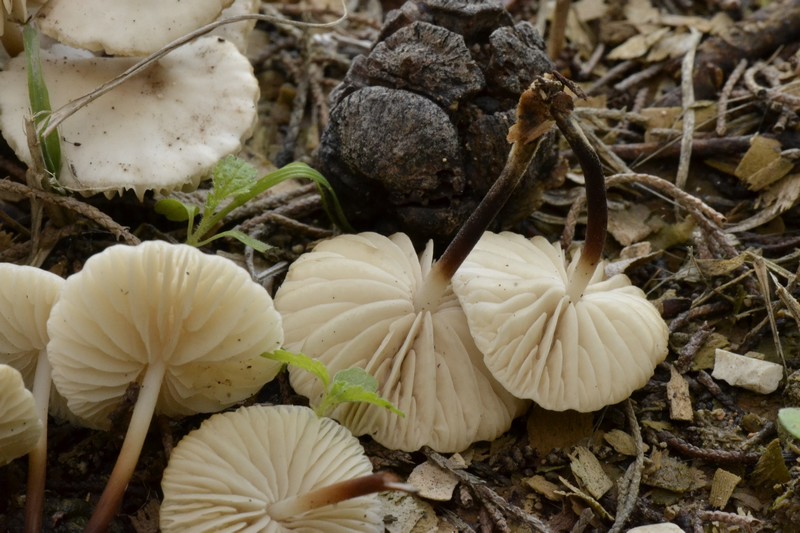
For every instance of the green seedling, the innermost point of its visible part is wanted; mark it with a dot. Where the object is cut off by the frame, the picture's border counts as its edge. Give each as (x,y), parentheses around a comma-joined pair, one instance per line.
(789,418)
(350,385)
(234,182)
(40,104)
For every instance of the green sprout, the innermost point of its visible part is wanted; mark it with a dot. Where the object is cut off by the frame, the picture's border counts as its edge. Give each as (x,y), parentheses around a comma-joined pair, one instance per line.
(235,181)
(40,103)
(350,385)
(789,418)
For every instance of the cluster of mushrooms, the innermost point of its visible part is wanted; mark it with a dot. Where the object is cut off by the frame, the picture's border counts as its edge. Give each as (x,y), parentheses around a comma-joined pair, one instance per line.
(459,344)
(185,331)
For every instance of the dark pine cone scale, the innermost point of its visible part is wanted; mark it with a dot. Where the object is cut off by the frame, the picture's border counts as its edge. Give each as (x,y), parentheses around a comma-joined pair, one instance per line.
(418,128)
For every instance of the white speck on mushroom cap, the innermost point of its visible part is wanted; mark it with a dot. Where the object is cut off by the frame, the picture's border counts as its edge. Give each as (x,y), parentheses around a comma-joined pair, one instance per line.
(224,475)
(542,346)
(134,306)
(162,130)
(123,27)
(20,426)
(351,303)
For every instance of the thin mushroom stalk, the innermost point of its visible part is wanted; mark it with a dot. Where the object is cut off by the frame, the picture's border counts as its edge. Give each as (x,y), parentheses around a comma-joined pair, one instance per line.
(111,499)
(533,121)
(596,205)
(37,458)
(338,492)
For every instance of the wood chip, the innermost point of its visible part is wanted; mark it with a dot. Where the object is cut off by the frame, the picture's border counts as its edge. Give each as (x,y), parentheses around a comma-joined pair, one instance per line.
(722,487)
(589,471)
(544,487)
(432,482)
(680,403)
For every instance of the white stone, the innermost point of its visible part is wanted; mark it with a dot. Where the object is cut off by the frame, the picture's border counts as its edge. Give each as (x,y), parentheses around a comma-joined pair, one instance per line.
(747,372)
(656,528)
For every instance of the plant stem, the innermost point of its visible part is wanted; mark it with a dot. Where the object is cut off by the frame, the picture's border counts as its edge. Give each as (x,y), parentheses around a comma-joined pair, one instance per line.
(110,500)
(338,492)
(37,458)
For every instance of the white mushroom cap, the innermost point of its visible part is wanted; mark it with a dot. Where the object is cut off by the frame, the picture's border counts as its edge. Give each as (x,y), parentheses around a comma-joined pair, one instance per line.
(20,426)
(224,475)
(539,344)
(162,130)
(125,28)
(26,296)
(359,301)
(199,318)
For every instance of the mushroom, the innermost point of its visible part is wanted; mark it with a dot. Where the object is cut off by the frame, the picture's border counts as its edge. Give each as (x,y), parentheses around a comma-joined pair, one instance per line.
(561,335)
(367,301)
(26,296)
(271,469)
(547,341)
(184,327)
(20,425)
(162,130)
(122,27)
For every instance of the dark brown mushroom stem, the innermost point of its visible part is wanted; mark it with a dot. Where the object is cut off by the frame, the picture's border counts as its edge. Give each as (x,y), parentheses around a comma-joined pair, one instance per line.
(544,103)
(338,492)
(533,121)
(596,205)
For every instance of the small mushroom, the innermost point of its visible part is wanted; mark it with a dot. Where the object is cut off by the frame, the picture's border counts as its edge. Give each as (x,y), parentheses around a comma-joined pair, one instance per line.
(20,425)
(561,335)
(187,328)
(563,349)
(161,130)
(124,27)
(271,469)
(27,295)
(368,301)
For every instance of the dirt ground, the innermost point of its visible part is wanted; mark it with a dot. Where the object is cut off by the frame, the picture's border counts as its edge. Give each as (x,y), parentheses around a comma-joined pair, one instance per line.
(687,448)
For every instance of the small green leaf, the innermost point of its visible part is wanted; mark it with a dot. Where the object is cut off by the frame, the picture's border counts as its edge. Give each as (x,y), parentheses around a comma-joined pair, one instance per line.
(244,238)
(231,177)
(303,362)
(356,377)
(789,418)
(40,101)
(353,385)
(175,210)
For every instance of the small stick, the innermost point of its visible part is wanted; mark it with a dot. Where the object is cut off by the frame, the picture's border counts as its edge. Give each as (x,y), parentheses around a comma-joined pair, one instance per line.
(68,109)
(555,41)
(588,67)
(687,89)
(82,208)
(725,95)
(612,74)
(710,455)
(639,77)
(630,482)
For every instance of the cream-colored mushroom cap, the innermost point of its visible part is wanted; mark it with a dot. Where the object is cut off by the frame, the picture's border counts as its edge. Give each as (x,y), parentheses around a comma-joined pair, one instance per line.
(20,426)
(225,475)
(123,27)
(362,301)
(26,296)
(542,345)
(190,327)
(162,130)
